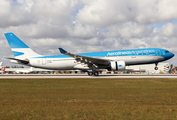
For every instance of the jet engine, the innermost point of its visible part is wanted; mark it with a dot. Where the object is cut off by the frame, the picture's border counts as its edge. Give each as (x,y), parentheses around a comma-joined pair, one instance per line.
(117,65)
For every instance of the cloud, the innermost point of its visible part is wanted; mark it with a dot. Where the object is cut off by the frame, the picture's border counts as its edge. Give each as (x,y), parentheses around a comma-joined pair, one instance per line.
(82,31)
(129,30)
(103,13)
(88,25)
(168,30)
(26,4)
(12,15)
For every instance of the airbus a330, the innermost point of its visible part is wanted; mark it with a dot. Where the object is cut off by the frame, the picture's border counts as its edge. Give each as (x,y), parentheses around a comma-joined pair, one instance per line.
(93,62)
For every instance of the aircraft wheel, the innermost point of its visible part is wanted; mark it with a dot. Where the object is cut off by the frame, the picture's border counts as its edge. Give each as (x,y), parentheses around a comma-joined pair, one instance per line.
(90,73)
(96,73)
(156,68)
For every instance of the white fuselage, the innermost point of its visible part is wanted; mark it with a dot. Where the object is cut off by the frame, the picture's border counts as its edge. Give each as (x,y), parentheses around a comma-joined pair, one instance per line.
(71,63)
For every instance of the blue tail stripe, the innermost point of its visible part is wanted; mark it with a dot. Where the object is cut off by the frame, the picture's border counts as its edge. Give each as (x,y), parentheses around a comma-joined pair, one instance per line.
(14,41)
(17,53)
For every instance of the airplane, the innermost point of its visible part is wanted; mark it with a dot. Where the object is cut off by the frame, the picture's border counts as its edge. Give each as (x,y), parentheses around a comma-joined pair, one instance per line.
(24,71)
(92,62)
(3,70)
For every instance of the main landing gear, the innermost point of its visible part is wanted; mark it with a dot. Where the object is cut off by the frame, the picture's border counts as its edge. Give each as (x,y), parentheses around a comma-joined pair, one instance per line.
(156,68)
(95,73)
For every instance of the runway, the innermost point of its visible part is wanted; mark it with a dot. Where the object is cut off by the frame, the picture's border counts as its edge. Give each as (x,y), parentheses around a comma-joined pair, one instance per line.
(39,76)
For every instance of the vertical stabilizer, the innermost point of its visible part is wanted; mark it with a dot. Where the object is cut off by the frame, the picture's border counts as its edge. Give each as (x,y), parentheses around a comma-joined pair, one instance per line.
(18,47)
(1,64)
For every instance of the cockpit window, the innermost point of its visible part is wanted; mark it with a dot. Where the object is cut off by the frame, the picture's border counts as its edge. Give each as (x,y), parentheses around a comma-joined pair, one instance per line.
(166,51)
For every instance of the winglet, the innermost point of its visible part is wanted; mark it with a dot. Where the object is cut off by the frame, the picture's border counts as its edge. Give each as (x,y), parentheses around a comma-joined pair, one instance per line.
(62,50)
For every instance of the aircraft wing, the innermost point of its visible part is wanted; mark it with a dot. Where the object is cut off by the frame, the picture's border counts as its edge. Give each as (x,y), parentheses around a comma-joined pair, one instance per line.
(26,61)
(85,59)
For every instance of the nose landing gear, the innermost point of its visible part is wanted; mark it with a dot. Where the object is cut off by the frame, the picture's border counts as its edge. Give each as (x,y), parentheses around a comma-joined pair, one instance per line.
(156,68)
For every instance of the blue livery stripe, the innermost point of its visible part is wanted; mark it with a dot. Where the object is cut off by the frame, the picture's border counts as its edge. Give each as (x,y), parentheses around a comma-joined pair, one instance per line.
(17,53)
(14,41)
(132,52)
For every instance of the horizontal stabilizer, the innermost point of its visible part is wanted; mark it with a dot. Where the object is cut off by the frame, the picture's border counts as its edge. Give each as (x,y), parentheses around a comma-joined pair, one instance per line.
(26,61)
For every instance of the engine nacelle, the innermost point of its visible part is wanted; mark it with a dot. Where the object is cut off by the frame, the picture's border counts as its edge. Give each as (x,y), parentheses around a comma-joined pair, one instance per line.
(118,65)
(13,61)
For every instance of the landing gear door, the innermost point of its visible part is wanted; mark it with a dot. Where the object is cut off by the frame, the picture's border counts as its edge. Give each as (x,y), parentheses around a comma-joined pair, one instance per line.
(43,61)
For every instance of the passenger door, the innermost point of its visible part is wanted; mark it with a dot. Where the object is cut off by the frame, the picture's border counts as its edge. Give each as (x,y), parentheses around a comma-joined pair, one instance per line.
(43,61)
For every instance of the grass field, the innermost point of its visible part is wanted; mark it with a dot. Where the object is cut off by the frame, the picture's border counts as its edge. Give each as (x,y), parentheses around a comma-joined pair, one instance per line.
(88,99)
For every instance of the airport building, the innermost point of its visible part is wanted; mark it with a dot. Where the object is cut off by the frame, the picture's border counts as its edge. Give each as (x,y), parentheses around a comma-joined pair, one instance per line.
(163,67)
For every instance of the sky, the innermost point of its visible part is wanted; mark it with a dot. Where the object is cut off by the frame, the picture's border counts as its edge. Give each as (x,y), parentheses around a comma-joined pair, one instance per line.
(89,25)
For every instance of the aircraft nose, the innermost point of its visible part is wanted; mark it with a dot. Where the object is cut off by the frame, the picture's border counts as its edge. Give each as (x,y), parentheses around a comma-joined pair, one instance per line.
(169,55)
(172,55)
